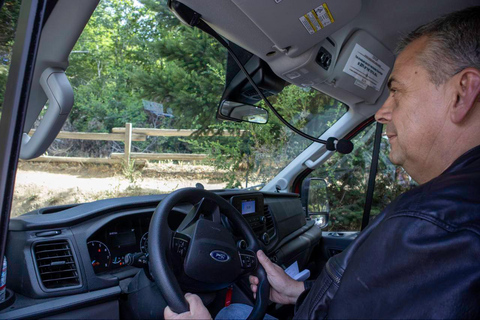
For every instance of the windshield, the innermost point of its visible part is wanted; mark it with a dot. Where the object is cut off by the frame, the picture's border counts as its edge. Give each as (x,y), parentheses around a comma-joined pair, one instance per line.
(146,94)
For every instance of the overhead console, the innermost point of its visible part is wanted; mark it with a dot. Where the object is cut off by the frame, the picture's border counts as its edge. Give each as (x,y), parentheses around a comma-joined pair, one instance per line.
(306,43)
(306,52)
(360,65)
(296,26)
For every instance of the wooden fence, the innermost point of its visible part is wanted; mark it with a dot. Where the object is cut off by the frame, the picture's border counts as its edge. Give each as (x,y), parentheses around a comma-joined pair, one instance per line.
(127,135)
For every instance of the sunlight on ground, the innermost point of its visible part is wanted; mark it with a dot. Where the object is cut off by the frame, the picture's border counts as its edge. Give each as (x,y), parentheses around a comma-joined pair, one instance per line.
(40,184)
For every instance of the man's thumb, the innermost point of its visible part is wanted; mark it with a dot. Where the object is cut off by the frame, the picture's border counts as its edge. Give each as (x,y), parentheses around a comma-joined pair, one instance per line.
(265,261)
(168,313)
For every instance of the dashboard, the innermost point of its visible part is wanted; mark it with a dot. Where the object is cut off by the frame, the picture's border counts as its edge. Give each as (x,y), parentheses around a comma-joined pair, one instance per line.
(109,246)
(80,250)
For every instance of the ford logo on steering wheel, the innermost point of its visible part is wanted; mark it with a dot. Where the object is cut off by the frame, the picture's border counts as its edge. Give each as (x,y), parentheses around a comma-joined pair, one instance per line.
(219,256)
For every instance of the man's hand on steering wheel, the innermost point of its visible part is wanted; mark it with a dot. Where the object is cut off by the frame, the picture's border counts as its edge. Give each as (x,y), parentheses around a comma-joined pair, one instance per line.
(283,289)
(197,309)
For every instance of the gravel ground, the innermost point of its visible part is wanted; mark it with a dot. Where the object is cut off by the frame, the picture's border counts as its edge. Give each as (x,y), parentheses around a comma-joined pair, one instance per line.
(39,184)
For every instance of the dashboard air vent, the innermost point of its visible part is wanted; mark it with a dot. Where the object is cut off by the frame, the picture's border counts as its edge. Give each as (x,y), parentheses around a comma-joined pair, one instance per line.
(269,221)
(56,264)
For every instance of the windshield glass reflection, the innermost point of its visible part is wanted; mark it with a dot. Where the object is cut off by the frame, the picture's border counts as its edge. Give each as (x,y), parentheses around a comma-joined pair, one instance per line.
(146,95)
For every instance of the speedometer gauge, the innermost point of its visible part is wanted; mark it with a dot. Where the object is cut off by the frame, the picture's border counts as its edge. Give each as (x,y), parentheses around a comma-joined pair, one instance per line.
(144,243)
(100,256)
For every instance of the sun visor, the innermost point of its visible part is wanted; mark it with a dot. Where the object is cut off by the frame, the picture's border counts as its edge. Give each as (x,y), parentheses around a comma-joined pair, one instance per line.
(296,26)
(363,66)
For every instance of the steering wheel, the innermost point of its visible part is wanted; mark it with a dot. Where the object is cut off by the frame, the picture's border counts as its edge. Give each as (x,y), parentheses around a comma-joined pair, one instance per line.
(202,253)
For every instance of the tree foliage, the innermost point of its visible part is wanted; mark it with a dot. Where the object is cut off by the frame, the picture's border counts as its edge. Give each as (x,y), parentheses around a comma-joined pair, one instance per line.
(8,21)
(134,51)
(347,179)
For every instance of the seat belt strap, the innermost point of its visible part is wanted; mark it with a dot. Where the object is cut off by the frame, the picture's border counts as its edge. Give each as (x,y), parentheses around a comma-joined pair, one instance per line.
(373,174)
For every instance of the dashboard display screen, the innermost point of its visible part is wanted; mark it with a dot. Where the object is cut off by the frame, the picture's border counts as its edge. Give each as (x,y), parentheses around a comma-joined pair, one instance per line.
(248,206)
(123,238)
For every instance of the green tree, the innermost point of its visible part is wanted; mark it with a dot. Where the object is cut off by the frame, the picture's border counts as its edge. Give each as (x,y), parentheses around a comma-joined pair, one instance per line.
(111,48)
(188,76)
(132,51)
(8,21)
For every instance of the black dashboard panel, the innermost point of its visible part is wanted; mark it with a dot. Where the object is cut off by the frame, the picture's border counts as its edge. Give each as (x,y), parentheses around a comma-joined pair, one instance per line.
(289,214)
(52,218)
(119,226)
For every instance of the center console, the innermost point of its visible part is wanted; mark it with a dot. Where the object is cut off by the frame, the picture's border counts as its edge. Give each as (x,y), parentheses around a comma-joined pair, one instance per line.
(252,209)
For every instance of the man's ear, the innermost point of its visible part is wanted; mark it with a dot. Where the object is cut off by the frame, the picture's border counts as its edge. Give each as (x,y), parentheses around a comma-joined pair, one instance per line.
(467,88)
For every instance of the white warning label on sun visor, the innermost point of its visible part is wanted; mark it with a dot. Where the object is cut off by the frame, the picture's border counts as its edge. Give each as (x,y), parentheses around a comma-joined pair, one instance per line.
(308,25)
(367,69)
(317,19)
(324,16)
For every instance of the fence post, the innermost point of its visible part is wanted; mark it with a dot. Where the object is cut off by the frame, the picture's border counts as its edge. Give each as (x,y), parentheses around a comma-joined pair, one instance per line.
(128,142)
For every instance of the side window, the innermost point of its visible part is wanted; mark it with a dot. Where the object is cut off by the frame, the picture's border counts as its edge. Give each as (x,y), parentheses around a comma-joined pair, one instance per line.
(347,179)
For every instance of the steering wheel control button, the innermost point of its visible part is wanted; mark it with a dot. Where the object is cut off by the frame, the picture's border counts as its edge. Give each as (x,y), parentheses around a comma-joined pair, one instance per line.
(248,261)
(219,256)
(180,246)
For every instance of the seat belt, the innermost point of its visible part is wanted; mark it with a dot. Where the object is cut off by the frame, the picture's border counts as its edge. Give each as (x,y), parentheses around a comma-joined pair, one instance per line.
(373,174)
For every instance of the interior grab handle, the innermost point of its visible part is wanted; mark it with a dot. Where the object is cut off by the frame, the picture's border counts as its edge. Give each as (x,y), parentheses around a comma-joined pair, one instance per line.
(60,97)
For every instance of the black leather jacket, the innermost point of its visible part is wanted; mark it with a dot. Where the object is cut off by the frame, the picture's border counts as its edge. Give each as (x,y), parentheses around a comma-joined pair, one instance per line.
(420,258)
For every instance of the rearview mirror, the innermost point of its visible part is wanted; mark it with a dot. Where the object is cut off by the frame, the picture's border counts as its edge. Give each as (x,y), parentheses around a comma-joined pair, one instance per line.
(237,111)
(315,200)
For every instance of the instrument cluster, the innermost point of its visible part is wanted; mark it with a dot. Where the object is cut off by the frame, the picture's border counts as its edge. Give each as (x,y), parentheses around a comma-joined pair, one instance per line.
(110,244)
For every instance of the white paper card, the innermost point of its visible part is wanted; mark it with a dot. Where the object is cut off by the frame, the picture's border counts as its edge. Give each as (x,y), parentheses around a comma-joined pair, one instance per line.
(302,276)
(292,270)
(366,68)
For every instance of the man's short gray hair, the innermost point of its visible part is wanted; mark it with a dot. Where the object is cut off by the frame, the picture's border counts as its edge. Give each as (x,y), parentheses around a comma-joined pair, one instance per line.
(453,44)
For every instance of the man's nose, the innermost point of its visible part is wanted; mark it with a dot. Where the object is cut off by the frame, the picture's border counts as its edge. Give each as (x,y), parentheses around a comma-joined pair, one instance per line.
(384,114)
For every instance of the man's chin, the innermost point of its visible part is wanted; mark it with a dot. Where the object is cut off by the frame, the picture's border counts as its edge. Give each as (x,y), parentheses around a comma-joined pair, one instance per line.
(394,159)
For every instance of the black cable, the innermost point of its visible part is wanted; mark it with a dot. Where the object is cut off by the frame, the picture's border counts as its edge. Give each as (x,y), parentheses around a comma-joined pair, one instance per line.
(193,19)
(373,173)
(202,25)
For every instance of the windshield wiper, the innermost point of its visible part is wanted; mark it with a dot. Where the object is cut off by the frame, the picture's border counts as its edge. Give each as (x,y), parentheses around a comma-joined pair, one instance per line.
(261,185)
